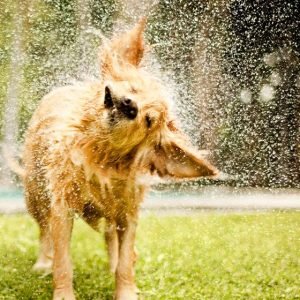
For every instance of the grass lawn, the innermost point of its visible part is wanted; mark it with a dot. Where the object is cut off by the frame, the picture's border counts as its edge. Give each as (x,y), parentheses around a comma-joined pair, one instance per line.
(203,256)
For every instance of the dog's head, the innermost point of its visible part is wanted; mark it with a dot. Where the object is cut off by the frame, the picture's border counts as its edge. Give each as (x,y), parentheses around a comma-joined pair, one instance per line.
(137,113)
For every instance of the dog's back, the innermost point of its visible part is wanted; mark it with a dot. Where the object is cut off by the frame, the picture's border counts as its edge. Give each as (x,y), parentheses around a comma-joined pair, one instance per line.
(49,139)
(61,110)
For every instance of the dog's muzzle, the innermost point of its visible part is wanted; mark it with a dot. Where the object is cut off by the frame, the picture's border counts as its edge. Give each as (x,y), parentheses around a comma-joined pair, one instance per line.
(123,106)
(128,108)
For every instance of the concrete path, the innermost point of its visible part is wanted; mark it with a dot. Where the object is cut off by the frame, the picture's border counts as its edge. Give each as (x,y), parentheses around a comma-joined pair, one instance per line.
(225,198)
(208,197)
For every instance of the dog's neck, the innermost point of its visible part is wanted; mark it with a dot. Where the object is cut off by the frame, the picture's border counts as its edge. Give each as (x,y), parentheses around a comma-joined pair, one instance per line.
(98,155)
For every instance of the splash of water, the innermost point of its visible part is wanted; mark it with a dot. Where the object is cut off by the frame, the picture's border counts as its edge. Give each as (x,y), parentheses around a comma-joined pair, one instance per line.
(233,72)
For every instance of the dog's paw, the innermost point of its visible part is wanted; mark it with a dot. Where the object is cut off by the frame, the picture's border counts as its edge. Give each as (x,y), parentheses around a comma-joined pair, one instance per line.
(44,267)
(128,293)
(65,294)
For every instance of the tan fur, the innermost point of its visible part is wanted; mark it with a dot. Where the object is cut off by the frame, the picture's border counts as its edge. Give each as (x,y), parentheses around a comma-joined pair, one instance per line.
(76,161)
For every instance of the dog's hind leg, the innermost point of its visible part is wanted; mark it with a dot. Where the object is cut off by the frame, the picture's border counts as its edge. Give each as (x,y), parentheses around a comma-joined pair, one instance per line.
(38,205)
(112,244)
(45,258)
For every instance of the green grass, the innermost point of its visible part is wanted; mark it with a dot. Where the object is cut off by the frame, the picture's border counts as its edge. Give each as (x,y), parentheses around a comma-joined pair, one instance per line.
(204,256)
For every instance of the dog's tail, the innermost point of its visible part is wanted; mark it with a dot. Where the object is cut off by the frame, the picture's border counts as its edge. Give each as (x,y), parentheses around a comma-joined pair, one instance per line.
(13,163)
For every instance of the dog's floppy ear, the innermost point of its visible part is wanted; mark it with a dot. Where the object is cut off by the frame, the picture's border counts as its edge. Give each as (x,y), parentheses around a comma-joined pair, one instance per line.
(130,46)
(124,50)
(174,158)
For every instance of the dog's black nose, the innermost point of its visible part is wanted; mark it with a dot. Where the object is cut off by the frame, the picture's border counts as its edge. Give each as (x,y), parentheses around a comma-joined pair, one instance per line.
(129,108)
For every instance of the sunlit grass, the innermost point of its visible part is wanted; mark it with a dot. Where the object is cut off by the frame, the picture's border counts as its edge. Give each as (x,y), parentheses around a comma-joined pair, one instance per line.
(204,256)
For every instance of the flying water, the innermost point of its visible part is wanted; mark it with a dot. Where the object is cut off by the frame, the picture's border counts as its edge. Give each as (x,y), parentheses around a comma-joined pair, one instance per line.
(231,68)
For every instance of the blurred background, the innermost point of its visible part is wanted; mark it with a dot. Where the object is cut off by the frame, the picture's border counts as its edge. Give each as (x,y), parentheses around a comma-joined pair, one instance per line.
(232,68)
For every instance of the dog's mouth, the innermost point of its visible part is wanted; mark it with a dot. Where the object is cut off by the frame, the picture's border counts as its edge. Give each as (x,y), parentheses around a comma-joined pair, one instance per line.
(123,107)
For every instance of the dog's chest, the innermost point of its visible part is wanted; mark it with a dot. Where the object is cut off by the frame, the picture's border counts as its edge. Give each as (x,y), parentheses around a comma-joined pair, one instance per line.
(110,198)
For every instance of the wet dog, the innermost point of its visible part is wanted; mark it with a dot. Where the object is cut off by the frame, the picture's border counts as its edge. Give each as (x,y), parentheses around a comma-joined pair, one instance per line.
(86,148)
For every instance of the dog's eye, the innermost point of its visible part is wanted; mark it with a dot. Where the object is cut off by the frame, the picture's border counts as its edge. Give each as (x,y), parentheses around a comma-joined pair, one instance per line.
(148,121)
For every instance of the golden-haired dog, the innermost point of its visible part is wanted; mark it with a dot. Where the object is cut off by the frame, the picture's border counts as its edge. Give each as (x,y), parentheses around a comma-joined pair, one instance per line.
(86,148)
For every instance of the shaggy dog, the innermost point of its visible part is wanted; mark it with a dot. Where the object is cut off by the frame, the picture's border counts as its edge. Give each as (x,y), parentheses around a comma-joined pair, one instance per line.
(86,148)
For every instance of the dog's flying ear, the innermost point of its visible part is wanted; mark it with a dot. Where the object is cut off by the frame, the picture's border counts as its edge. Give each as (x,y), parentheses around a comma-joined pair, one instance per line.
(126,49)
(172,158)
(130,46)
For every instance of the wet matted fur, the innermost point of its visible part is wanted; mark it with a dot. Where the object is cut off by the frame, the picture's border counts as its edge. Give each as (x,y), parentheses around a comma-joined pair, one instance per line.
(86,149)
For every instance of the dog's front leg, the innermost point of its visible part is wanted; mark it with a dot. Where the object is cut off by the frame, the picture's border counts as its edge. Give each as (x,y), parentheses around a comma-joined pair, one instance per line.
(61,228)
(125,285)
